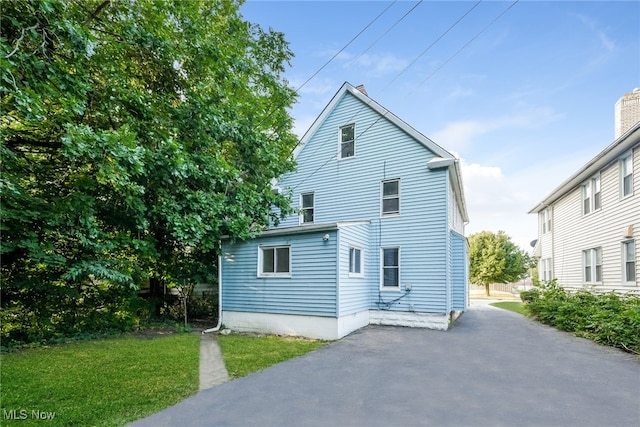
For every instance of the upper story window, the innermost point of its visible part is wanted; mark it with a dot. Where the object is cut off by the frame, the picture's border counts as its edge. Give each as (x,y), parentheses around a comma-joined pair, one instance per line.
(274,261)
(626,176)
(391,197)
(355,262)
(307,208)
(348,141)
(592,263)
(591,195)
(546,220)
(629,262)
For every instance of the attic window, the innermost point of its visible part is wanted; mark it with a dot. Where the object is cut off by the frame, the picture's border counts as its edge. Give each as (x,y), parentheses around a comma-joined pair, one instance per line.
(348,141)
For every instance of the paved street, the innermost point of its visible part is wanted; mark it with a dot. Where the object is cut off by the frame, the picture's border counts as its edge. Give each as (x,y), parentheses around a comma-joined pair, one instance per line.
(493,368)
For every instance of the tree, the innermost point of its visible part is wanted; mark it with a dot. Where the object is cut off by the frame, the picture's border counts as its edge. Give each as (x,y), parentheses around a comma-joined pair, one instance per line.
(134,136)
(494,258)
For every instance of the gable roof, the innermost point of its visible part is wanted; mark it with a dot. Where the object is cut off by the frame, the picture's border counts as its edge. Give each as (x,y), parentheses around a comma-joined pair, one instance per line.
(443,157)
(603,159)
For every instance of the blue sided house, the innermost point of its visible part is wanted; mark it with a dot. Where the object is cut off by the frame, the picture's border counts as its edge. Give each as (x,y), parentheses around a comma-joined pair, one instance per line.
(379,238)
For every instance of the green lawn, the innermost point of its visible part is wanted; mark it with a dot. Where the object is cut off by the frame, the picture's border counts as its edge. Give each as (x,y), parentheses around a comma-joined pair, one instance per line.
(244,354)
(111,382)
(515,306)
(106,382)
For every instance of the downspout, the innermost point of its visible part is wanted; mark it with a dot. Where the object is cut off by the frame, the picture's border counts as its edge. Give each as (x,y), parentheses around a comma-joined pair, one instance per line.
(217,327)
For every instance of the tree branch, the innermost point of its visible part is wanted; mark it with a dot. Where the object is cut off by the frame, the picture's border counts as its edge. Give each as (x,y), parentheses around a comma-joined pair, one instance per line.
(96,12)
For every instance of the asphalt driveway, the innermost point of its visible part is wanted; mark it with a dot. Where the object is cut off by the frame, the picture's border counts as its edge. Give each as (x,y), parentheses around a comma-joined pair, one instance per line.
(493,368)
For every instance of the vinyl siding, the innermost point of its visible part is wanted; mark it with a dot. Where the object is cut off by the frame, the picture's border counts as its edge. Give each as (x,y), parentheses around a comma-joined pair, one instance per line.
(350,189)
(459,271)
(574,232)
(354,291)
(311,289)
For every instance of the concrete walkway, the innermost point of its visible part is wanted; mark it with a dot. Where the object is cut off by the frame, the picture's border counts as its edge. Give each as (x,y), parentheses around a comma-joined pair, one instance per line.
(493,368)
(212,369)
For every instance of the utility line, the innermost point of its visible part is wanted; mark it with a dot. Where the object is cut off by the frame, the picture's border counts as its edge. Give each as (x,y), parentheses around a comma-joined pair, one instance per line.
(433,44)
(385,33)
(463,47)
(345,46)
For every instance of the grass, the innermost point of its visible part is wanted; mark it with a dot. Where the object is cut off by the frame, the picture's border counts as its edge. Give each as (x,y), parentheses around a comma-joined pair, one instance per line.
(106,382)
(244,354)
(515,306)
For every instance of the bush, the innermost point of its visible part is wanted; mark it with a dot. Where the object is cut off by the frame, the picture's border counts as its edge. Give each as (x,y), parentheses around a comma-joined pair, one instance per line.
(608,319)
(32,315)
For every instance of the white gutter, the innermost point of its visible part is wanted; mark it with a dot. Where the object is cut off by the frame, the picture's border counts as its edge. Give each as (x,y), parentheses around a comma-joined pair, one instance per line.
(217,327)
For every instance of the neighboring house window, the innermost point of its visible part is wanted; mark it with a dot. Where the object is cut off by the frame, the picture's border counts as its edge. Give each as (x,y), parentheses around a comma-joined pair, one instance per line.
(629,262)
(391,197)
(274,261)
(307,203)
(545,267)
(355,262)
(546,221)
(347,141)
(592,261)
(626,166)
(391,268)
(591,195)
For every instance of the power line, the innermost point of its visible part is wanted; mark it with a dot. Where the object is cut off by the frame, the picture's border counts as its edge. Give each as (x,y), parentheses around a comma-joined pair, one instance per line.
(385,33)
(464,46)
(433,44)
(345,46)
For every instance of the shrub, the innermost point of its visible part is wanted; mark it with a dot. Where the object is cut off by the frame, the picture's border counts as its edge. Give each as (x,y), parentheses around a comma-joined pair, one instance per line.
(608,319)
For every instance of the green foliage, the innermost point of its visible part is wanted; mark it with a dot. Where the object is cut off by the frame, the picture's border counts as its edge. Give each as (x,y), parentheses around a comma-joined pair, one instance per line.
(494,258)
(107,382)
(134,136)
(608,319)
(37,315)
(244,354)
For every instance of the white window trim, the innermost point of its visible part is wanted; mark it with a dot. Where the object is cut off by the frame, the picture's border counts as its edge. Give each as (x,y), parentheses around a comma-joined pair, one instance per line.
(545,266)
(626,282)
(361,274)
(592,255)
(382,198)
(390,288)
(301,216)
(546,220)
(591,182)
(262,274)
(622,176)
(340,142)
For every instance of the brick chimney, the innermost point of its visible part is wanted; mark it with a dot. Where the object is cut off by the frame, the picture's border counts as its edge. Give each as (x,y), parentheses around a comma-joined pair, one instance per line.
(627,112)
(362,89)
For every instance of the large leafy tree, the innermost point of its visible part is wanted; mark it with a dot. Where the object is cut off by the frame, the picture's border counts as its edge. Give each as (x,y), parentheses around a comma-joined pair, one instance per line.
(494,258)
(134,135)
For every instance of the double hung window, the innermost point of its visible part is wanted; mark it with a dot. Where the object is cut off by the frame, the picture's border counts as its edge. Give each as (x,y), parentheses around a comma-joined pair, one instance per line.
(591,195)
(546,220)
(347,141)
(391,197)
(626,168)
(307,210)
(629,262)
(391,268)
(592,264)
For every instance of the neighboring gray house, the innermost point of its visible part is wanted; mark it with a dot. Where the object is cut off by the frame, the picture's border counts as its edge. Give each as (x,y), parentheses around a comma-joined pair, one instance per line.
(379,238)
(589,227)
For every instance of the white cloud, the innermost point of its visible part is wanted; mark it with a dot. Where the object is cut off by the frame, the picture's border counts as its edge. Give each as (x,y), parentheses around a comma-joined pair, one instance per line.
(460,134)
(380,64)
(497,202)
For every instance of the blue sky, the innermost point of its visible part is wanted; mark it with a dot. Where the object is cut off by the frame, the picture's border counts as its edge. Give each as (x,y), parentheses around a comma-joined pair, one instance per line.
(524,100)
